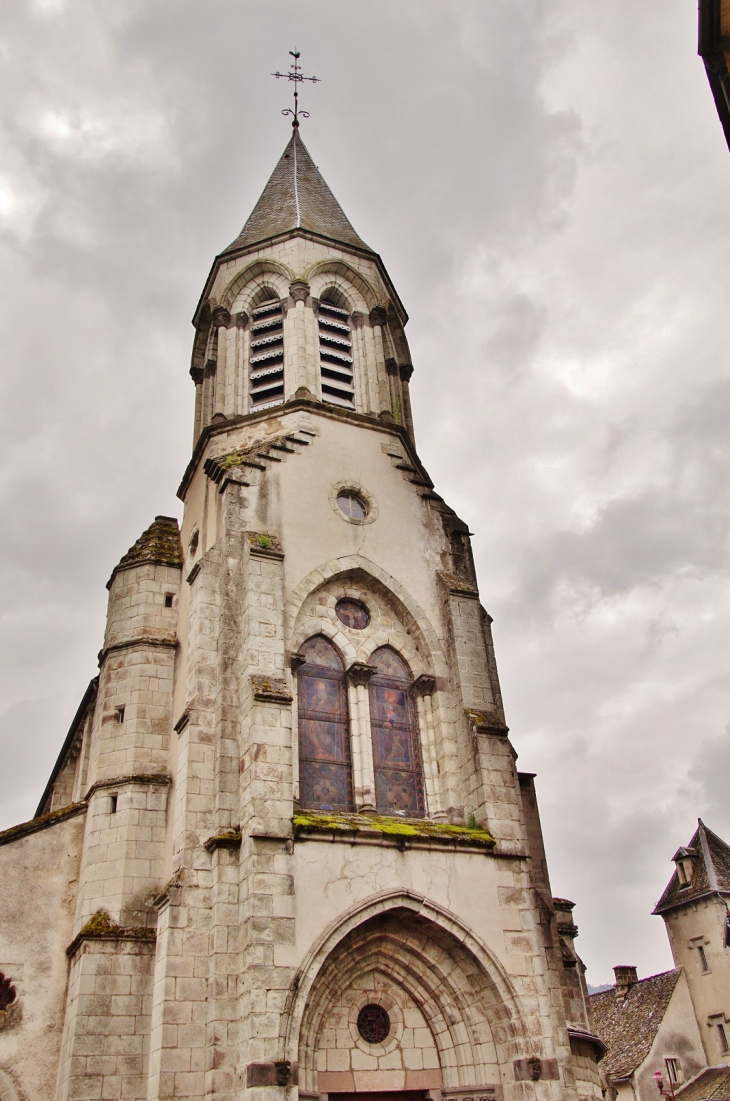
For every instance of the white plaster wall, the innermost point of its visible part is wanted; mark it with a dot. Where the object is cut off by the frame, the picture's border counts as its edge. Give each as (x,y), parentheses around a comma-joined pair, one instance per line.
(710,990)
(678,1037)
(332,878)
(39,876)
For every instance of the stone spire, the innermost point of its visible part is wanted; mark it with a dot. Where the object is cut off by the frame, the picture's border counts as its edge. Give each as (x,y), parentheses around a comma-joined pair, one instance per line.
(296,197)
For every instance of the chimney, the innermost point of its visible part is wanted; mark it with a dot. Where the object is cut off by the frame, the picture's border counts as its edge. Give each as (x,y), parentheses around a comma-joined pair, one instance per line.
(626,977)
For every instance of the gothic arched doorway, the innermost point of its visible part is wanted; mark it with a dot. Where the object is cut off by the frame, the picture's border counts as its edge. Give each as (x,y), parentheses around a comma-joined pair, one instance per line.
(400,1004)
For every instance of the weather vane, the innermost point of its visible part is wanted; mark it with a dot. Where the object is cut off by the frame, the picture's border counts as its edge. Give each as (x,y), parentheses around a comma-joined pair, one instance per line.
(296,77)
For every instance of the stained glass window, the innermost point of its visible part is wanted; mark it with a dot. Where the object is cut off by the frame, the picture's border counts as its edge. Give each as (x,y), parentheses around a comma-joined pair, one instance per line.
(325,767)
(352,613)
(396,745)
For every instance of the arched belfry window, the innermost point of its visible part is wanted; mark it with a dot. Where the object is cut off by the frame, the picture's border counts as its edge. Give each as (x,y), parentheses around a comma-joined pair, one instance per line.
(335,354)
(325,765)
(396,745)
(266,374)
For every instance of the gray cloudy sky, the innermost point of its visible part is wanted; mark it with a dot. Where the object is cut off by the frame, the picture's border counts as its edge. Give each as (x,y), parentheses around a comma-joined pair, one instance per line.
(548,184)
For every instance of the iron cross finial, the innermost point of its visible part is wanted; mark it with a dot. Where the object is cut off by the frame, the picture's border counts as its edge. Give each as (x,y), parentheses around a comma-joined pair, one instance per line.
(296,77)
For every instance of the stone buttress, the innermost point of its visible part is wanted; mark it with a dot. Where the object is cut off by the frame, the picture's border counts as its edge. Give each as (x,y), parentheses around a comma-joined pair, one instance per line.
(308,865)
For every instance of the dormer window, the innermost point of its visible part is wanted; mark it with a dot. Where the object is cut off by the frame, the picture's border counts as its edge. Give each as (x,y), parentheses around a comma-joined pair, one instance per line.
(335,355)
(267,355)
(684,862)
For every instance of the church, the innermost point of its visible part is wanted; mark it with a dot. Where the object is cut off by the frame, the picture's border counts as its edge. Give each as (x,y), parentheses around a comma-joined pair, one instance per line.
(286,851)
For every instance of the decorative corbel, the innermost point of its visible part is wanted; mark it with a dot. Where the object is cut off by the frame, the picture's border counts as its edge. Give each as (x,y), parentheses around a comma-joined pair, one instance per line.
(360,673)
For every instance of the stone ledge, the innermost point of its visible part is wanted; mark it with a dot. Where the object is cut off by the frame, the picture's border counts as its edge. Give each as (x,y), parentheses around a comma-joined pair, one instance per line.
(381,829)
(101,927)
(43,822)
(226,839)
(270,690)
(161,779)
(486,722)
(169,643)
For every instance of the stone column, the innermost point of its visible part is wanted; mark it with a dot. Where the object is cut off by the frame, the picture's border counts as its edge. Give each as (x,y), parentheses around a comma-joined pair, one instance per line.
(406,370)
(378,320)
(221,320)
(197,374)
(423,690)
(240,405)
(394,387)
(363,399)
(359,675)
(298,376)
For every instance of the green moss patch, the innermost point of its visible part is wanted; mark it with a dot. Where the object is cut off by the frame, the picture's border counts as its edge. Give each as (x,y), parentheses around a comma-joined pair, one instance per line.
(312,822)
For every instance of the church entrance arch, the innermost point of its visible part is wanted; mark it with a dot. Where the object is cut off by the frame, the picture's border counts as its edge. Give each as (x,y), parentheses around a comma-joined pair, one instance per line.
(400,1004)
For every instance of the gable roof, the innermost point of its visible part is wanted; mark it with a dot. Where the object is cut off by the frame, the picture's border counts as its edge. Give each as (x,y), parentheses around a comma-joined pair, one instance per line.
(295,197)
(711,1084)
(710,874)
(629,1025)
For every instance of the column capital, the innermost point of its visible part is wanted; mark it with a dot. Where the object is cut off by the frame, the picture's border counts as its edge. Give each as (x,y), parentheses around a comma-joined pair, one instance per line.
(406,370)
(242,320)
(357,319)
(360,673)
(391,367)
(221,317)
(197,374)
(378,316)
(299,291)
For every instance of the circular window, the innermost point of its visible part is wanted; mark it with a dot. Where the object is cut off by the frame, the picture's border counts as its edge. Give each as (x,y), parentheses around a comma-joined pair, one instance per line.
(352,613)
(351,506)
(373,1024)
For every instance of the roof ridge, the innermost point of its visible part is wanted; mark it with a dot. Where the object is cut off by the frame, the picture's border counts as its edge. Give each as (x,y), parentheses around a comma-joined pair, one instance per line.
(707,856)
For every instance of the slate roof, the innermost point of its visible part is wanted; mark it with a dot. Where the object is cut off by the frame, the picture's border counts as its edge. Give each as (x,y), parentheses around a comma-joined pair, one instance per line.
(711,1084)
(160,544)
(629,1025)
(296,196)
(711,871)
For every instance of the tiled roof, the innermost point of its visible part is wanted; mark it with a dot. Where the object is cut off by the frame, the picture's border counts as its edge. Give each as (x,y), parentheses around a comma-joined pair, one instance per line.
(296,196)
(711,1084)
(711,870)
(160,543)
(628,1025)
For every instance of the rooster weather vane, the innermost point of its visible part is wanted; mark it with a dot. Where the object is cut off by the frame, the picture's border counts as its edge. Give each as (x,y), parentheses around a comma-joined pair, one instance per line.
(296,77)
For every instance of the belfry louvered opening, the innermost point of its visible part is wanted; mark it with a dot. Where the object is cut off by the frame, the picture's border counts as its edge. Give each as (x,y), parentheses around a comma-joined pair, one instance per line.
(267,355)
(335,355)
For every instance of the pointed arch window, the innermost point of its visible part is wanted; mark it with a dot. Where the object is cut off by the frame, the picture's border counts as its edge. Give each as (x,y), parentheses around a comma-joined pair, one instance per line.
(396,745)
(266,363)
(335,355)
(325,763)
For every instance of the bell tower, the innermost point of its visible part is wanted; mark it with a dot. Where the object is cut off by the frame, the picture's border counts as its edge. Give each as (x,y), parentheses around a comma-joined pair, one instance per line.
(309,865)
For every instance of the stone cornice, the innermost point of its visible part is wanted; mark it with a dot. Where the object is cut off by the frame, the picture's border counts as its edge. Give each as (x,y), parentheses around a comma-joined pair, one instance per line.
(101,927)
(43,822)
(148,779)
(141,640)
(308,405)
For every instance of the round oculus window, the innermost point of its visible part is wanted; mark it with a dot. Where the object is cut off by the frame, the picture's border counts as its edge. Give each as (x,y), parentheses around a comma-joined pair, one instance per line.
(373,1024)
(352,613)
(351,506)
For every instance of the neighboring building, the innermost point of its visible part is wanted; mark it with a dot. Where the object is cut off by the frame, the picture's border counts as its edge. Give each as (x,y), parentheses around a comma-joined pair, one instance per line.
(696,911)
(711,1084)
(677,1023)
(647,1026)
(286,851)
(714,49)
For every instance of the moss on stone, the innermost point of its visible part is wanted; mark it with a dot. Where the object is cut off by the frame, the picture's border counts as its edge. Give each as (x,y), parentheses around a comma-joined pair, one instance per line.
(100,925)
(306,822)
